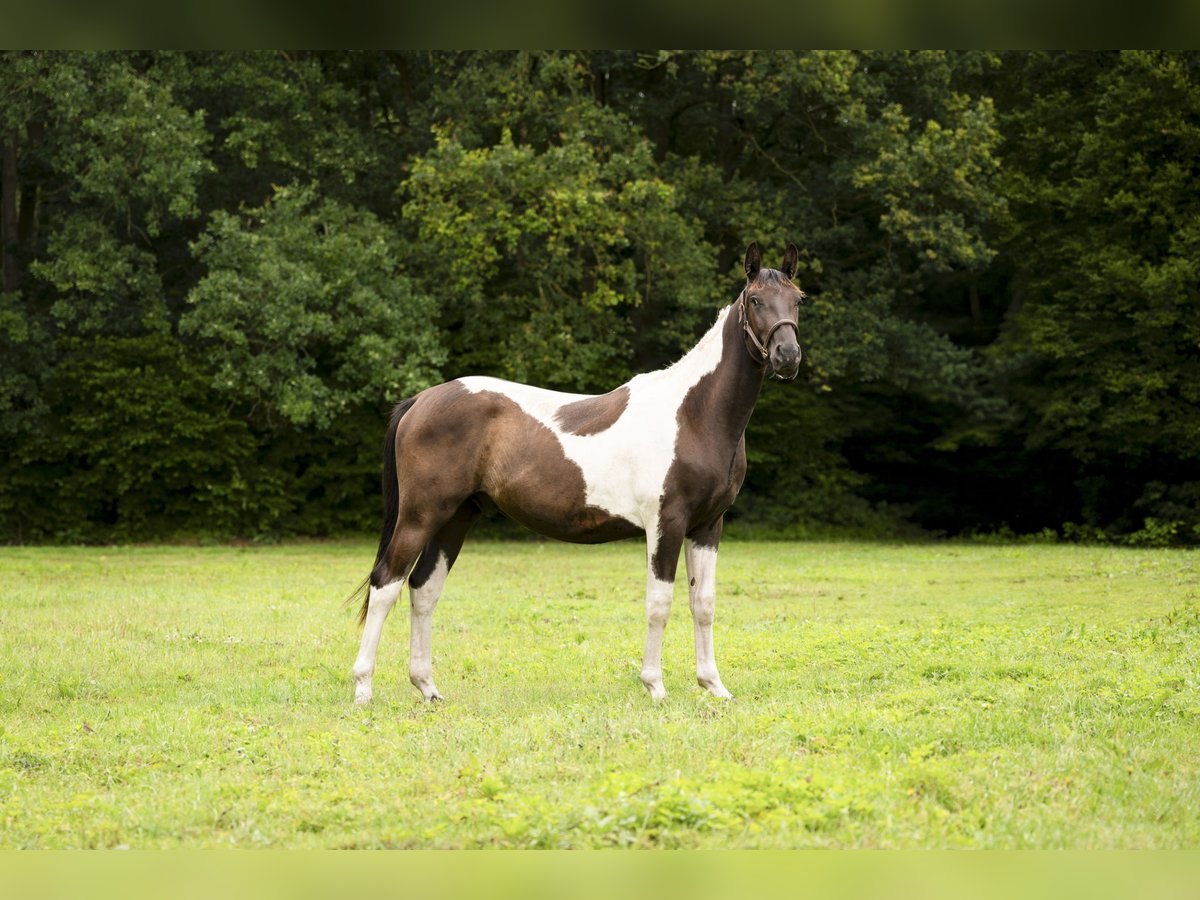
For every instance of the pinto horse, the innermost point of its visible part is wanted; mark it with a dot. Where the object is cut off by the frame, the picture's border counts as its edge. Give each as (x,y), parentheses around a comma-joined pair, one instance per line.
(662,455)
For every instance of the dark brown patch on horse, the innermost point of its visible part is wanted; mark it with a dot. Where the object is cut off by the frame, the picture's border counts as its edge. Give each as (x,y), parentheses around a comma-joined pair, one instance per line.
(593,414)
(446,543)
(457,449)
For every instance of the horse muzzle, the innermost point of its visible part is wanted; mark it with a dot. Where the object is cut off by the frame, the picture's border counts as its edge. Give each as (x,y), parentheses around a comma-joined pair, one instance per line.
(785,362)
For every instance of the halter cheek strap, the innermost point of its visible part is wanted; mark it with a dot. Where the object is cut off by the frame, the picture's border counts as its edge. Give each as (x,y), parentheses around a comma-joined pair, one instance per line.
(761,346)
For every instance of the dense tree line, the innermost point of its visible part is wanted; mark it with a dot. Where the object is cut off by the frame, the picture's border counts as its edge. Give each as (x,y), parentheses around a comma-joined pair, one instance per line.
(219,269)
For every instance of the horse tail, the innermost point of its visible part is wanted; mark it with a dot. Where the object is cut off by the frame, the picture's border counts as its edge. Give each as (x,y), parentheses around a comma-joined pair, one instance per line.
(391,506)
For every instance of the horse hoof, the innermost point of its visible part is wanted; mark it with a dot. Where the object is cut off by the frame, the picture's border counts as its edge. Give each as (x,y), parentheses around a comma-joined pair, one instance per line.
(717,690)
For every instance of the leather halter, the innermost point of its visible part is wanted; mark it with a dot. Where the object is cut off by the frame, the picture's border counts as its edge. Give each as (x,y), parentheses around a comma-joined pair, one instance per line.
(761,346)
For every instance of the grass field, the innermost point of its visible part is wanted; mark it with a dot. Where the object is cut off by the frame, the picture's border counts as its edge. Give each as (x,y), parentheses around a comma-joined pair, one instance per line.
(935,695)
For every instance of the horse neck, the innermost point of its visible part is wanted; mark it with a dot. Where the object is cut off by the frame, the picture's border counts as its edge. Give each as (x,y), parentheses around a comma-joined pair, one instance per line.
(725,396)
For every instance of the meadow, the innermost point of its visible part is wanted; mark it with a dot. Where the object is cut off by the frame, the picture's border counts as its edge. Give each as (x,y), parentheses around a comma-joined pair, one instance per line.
(887,696)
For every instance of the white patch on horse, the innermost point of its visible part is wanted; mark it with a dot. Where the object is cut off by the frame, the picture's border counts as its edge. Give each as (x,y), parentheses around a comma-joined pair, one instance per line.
(702,597)
(420,647)
(625,466)
(379,604)
(658,609)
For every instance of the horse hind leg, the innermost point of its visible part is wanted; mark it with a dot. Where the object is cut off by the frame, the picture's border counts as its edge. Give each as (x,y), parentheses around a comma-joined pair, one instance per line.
(425,586)
(386,583)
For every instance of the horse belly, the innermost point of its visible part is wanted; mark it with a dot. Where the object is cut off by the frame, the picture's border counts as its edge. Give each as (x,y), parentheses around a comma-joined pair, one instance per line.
(581,525)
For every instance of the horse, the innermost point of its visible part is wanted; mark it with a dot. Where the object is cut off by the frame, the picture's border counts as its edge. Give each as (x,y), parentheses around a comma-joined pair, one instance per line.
(662,455)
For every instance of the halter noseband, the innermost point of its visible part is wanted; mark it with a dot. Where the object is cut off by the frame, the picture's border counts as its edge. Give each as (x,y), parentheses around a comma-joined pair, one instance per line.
(761,346)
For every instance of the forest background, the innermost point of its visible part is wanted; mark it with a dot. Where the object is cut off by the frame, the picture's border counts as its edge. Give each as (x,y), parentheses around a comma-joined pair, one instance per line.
(219,270)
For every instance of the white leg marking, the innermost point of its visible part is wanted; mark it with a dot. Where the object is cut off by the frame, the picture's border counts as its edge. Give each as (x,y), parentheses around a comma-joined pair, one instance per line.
(420,640)
(379,604)
(702,597)
(658,608)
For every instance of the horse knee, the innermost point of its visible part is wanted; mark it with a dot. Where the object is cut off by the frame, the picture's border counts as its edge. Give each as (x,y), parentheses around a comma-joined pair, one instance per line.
(658,606)
(704,608)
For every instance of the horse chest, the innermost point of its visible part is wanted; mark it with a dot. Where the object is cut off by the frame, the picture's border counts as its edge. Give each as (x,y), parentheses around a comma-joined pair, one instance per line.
(705,479)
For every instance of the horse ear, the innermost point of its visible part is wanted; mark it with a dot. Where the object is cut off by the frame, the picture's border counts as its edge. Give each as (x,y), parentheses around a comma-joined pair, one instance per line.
(753,260)
(791,259)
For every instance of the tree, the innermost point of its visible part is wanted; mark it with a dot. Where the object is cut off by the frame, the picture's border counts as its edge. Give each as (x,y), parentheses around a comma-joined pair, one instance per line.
(303,313)
(231,263)
(1106,250)
(882,166)
(560,253)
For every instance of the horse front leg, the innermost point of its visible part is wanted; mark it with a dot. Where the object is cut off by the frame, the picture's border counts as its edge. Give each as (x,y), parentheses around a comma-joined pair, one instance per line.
(701,555)
(662,559)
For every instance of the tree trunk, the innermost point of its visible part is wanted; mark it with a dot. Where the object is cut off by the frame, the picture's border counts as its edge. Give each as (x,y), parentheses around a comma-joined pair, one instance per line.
(8,212)
(29,190)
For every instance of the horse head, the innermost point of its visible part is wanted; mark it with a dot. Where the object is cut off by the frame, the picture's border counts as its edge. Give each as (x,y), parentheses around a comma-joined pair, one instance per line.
(769,306)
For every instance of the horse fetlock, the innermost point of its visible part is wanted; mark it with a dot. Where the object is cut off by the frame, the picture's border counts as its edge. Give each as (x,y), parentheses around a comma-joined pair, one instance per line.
(711,682)
(654,684)
(362,688)
(422,680)
(428,689)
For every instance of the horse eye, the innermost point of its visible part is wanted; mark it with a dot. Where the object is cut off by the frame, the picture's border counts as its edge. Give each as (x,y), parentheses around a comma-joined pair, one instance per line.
(754,300)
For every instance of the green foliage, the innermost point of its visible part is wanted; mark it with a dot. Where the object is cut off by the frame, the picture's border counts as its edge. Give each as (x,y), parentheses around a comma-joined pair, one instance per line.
(1000,253)
(1117,316)
(22,367)
(103,285)
(135,155)
(303,311)
(1107,256)
(138,447)
(550,250)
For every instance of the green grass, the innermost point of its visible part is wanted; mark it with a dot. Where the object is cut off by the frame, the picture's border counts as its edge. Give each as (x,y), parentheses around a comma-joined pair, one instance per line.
(937,695)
